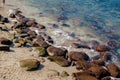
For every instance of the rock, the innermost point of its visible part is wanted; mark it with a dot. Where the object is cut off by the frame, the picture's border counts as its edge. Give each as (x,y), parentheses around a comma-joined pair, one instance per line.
(5,41)
(93,44)
(76,56)
(82,65)
(4,20)
(23,35)
(39,26)
(99,62)
(32,34)
(84,76)
(77,45)
(98,71)
(102,48)
(64,74)
(105,56)
(113,70)
(30,22)
(12,16)
(59,60)
(4,48)
(17,45)
(41,51)
(20,40)
(29,64)
(113,44)
(106,78)
(54,51)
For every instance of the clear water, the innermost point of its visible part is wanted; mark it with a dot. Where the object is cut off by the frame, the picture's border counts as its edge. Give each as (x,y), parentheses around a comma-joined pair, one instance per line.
(103,16)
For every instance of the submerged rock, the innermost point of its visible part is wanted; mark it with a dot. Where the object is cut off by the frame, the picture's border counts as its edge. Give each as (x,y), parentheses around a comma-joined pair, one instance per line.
(113,44)
(59,60)
(29,64)
(54,51)
(113,70)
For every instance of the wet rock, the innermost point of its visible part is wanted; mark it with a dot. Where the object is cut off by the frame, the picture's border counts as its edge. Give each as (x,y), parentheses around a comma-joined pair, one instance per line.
(113,70)
(54,51)
(113,44)
(64,74)
(4,48)
(29,64)
(84,76)
(99,62)
(39,26)
(98,71)
(82,65)
(76,56)
(5,41)
(102,48)
(78,45)
(30,23)
(41,51)
(105,56)
(93,44)
(106,78)
(59,60)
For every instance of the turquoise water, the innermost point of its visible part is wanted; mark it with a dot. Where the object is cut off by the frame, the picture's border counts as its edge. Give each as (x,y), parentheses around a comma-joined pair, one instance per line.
(103,16)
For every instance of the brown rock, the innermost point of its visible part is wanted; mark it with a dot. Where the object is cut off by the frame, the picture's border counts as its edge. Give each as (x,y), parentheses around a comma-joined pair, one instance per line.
(76,56)
(99,62)
(98,71)
(78,45)
(102,48)
(105,56)
(59,60)
(84,76)
(82,65)
(54,51)
(30,22)
(39,26)
(113,70)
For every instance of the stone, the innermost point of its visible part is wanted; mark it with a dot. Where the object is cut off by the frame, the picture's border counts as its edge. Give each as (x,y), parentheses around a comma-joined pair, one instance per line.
(98,71)
(84,76)
(4,48)
(29,64)
(82,65)
(105,56)
(113,70)
(54,51)
(78,45)
(76,56)
(42,52)
(52,73)
(5,20)
(113,44)
(5,41)
(59,60)
(64,74)
(102,48)
(30,22)
(99,62)
(39,26)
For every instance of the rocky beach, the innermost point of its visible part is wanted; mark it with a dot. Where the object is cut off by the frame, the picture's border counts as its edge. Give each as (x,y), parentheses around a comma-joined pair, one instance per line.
(37,46)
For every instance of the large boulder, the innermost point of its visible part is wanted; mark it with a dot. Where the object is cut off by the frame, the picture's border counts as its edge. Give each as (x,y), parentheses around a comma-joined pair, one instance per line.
(54,51)
(59,60)
(98,71)
(29,64)
(76,56)
(113,70)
